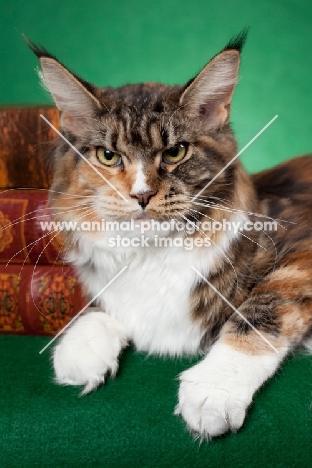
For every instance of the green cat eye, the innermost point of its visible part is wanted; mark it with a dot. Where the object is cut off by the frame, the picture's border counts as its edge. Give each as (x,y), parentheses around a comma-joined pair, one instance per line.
(174,154)
(107,157)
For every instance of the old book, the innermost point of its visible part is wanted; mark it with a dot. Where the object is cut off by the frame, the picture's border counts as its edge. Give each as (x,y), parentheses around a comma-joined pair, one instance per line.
(38,300)
(26,141)
(26,233)
(38,294)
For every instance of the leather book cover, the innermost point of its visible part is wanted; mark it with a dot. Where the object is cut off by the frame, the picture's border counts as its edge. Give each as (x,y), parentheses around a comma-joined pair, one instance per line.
(23,239)
(26,143)
(38,301)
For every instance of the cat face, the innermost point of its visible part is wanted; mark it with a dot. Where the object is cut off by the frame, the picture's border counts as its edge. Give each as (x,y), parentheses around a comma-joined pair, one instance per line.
(146,150)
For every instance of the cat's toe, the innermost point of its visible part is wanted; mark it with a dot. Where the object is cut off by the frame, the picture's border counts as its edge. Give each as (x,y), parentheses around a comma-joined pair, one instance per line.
(76,362)
(221,412)
(89,351)
(211,406)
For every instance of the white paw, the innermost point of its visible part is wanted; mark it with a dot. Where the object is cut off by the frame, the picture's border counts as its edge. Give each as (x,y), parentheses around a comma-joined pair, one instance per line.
(215,394)
(89,350)
(211,406)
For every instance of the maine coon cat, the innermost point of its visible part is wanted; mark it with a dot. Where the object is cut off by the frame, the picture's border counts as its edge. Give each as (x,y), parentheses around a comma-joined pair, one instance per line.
(242,299)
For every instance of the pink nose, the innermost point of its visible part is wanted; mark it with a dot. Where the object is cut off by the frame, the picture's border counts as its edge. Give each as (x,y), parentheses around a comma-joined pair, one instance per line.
(143,197)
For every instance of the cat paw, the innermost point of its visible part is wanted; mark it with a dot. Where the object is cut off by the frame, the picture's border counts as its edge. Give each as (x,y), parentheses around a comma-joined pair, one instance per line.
(89,351)
(211,406)
(215,394)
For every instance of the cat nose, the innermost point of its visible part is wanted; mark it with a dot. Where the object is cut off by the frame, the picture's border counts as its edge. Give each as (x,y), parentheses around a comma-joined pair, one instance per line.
(143,197)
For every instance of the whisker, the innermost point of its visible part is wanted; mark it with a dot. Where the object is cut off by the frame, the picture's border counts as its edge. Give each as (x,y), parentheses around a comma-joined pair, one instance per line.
(46,190)
(71,234)
(275,249)
(36,264)
(261,215)
(216,245)
(174,112)
(28,245)
(249,213)
(161,122)
(239,232)
(22,219)
(34,242)
(262,230)
(32,277)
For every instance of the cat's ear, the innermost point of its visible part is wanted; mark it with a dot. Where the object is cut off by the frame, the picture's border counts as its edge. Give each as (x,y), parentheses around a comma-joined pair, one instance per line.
(73,97)
(210,93)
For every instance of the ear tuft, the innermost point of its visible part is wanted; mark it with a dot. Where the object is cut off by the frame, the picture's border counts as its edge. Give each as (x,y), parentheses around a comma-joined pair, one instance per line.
(37,49)
(210,93)
(74,97)
(237,42)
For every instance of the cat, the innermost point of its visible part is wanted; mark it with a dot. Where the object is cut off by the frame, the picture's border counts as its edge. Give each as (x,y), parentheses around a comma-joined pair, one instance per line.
(241,299)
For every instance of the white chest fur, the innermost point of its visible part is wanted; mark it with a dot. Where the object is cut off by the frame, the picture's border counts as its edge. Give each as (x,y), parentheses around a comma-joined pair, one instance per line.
(151,298)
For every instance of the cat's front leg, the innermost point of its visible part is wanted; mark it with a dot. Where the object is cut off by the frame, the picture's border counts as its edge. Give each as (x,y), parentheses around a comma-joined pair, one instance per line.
(89,350)
(215,394)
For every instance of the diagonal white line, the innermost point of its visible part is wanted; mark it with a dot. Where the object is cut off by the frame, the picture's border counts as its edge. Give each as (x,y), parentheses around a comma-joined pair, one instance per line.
(235,310)
(235,157)
(83,157)
(82,310)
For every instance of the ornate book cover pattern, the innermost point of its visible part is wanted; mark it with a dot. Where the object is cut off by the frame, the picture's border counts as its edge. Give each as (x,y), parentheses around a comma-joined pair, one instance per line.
(23,240)
(38,301)
(10,318)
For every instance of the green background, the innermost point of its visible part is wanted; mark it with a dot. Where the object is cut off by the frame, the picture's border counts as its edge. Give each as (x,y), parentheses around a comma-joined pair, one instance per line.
(113,42)
(129,422)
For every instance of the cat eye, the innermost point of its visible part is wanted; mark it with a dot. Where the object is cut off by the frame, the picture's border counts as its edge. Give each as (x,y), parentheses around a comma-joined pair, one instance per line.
(174,154)
(107,157)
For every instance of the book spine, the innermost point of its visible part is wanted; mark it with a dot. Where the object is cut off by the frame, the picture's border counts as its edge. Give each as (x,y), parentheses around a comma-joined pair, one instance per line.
(26,144)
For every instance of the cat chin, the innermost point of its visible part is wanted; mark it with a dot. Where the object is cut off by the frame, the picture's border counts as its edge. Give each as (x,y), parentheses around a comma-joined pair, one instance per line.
(142,217)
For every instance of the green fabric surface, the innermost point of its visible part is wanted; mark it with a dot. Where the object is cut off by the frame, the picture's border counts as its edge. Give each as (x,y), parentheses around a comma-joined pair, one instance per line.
(129,422)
